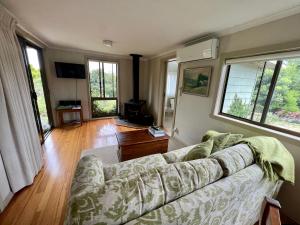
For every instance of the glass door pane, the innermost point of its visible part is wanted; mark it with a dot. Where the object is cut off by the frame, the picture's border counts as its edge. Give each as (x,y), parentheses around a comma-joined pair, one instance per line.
(34,65)
(33,59)
(170,95)
(103,88)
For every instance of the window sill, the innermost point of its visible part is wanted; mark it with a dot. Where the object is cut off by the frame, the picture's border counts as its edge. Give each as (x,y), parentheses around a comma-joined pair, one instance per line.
(263,130)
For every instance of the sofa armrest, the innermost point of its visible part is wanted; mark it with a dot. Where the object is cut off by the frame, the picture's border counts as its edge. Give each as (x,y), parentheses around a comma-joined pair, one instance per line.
(234,159)
(89,172)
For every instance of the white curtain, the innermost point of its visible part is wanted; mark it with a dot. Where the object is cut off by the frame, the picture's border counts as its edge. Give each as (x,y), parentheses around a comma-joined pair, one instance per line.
(19,142)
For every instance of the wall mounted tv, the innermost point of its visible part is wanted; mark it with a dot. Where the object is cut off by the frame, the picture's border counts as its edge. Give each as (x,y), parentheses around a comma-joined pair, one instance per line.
(70,70)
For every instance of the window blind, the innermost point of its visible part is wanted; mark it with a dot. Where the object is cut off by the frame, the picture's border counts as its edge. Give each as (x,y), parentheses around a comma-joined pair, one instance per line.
(275,56)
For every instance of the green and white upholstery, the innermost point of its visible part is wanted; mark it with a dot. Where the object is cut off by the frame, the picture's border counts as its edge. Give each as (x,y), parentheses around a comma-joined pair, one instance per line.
(133,166)
(234,159)
(226,188)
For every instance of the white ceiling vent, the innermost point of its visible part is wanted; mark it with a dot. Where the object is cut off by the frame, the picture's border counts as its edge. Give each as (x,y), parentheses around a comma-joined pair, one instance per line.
(203,50)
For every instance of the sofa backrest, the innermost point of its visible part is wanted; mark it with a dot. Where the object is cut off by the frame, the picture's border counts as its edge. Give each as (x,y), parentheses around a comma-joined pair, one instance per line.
(133,166)
(121,200)
(234,159)
(235,199)
(133,188)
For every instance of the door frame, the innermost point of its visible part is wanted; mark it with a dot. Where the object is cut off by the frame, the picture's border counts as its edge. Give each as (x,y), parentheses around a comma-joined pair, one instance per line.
(91,58)
(165,69)
(23,43)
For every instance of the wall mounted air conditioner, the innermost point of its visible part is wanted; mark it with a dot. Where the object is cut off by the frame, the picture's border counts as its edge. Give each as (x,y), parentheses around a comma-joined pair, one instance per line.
(203,50)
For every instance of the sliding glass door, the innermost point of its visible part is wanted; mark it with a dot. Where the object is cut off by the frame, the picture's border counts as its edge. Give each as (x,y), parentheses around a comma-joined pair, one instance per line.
(103,78)
(33,59)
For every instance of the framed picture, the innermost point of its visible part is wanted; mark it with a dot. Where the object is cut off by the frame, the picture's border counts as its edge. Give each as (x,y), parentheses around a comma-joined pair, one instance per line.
(196,81)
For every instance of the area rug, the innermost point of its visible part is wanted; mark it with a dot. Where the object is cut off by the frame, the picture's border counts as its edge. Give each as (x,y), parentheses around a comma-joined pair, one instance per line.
(125,123)
(107,154)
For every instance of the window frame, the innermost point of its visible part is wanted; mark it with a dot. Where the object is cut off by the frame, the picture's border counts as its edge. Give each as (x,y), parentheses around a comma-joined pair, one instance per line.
(261,123)
(117,91)
(24,42)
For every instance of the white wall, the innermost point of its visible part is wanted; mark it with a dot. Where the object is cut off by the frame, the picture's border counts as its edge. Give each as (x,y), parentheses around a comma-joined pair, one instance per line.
(64,89)
(194,113)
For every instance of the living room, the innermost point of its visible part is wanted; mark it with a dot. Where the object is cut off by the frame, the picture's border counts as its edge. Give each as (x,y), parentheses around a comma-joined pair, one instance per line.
(76,83)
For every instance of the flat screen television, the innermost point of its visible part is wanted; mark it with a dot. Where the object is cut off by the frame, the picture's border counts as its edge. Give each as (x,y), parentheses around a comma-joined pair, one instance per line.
(70,70)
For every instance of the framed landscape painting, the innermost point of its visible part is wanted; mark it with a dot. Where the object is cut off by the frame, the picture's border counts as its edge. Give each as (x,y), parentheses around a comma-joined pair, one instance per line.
(196,81)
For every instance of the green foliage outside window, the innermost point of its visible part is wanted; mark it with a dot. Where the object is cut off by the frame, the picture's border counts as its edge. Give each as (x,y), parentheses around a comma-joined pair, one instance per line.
(239,108)
(103,86)
(284,109)
(109,84)
(38,87)
(287,91)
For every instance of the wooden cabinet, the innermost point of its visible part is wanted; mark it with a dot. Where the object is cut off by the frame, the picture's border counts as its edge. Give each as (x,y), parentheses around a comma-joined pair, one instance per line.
(61,111)
(138,143)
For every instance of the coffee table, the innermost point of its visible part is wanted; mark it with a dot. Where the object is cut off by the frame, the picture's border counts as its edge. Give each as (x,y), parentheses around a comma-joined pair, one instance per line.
(138,143)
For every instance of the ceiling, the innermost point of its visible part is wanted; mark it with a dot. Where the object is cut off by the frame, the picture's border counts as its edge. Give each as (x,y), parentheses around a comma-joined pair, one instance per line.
(147,27)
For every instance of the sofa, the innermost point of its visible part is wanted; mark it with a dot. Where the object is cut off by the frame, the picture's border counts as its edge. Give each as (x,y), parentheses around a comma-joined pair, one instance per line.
(225,188)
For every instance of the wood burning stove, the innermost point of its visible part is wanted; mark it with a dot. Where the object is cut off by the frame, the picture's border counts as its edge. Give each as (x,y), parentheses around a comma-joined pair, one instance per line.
(135,110)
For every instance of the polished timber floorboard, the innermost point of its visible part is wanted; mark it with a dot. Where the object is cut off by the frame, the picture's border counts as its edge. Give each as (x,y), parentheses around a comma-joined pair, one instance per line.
(44,202)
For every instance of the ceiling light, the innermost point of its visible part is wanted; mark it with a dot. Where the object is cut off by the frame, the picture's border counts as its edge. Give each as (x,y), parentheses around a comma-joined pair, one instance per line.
(108,43)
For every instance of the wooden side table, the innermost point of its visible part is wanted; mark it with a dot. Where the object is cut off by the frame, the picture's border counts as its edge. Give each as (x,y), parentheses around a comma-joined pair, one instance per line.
(138,143)
(61,111)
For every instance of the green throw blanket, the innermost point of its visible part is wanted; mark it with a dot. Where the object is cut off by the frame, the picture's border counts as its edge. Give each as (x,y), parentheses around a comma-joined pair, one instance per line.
(275,160)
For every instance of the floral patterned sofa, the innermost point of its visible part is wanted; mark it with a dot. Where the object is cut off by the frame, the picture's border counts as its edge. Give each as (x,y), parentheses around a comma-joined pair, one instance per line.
(225,188)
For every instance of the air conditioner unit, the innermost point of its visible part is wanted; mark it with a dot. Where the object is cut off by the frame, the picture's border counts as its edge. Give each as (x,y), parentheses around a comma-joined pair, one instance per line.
(203,50)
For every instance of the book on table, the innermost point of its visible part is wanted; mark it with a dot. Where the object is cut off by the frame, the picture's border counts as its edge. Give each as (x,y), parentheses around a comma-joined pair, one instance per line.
(156,131)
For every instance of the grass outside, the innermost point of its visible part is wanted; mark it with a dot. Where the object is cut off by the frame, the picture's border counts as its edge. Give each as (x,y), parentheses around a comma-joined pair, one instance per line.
(279,121)
(274,120)
(38,87)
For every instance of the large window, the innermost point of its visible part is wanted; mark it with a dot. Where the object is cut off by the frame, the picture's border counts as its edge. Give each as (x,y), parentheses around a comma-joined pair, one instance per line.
(103,88)
(264,92)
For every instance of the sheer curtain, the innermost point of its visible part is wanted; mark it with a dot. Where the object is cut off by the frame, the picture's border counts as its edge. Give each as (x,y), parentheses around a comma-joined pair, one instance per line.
(19,143)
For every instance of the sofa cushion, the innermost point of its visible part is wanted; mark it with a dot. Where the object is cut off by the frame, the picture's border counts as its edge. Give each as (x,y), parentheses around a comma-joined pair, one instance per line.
(200,151)
(234,159)
(122,200)
(222,140)
(177,155)
(134,166)
(233,139)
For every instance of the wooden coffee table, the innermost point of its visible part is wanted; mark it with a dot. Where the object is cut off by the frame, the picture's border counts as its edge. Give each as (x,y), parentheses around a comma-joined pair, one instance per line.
(138,143)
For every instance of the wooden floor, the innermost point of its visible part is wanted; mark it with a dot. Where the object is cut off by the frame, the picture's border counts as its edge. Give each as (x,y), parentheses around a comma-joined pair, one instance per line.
(44,202)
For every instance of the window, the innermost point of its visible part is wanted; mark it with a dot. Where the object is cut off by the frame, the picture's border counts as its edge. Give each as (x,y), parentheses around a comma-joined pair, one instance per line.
(264,92)
(103,88)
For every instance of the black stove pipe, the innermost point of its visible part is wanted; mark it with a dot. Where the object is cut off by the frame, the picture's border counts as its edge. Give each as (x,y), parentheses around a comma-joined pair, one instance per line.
(136,76)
